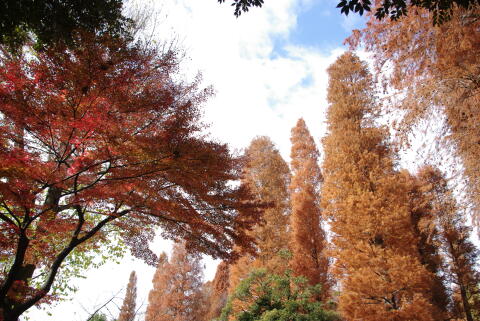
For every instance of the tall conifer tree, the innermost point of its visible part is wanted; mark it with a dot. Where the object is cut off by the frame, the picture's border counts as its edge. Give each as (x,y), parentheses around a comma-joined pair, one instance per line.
(461,254)
(424,216)
(128,312)
(177,286)
(376,250)
(435,70)
(308,237)
(267,175)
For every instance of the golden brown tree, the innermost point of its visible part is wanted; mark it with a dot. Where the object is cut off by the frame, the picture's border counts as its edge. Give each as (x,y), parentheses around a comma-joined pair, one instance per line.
(128,312)
(435,70)
(218,291)
(308,237)
(177,286)
(460,252)
(375,247)
(424,220)
(267,176)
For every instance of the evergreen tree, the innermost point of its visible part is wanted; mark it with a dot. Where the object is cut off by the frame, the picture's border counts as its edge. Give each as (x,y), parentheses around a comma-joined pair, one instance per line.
(127,312)
(308,236)
(263,296)
(177,285)
(376,250)
(98,317)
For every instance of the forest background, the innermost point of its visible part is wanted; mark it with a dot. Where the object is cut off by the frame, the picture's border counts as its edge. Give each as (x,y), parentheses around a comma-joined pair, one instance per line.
(268,69)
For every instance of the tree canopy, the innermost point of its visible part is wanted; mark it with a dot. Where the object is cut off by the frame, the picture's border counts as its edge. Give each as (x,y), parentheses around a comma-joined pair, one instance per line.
(263,296)
(49,21)
(308,238)
(128,309)
(395,9)
(101,140)
(376,252)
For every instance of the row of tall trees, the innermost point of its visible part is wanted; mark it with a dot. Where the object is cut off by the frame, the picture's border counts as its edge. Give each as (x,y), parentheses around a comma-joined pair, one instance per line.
(399,246)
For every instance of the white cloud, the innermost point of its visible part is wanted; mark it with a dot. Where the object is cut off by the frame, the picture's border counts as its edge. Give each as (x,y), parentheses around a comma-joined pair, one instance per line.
(258,93)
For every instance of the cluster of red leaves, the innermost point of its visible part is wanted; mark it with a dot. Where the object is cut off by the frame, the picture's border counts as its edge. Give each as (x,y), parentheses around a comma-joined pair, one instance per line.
(103,133)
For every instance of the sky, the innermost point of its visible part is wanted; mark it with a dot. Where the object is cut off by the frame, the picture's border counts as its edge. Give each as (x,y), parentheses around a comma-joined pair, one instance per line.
(268,69)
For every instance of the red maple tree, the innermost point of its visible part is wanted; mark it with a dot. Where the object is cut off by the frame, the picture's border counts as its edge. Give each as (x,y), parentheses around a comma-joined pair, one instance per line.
(106,135)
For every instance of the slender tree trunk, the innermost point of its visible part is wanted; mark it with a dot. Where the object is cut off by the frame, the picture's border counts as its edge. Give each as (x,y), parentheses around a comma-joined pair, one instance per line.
(466,305)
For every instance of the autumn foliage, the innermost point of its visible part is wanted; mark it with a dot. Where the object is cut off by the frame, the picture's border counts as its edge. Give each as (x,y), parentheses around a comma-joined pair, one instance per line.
(267,175)
(308,237)
(128,309)
(375,248)
(461,255)
(177,287)
(218,291)
(435,71)
(103,138)
(102,147)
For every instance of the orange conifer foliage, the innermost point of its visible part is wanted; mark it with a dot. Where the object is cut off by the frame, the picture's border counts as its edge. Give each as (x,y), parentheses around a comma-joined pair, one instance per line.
(177,288)
(424,220)
(267,175)
(128,312)
(460,252)
(436,70)
(308,236)
(219,291)
(375,247)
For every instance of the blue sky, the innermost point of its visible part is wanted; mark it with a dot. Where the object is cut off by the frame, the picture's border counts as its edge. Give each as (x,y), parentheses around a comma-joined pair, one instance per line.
(268,69)
(320,26)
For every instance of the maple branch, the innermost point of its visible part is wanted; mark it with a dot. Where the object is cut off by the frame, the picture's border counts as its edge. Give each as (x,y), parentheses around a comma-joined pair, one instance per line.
(74,242)
(6,218)
(136,176)
(48,185)
(59,209)
(103,305)
(12,275)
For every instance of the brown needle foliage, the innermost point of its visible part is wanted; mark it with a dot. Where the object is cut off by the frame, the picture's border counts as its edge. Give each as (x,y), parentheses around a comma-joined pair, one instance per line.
(461,254)
(128,312)
(308,237)
(436,70)
(218,291)
(267,176)
(375,247)
(177,288)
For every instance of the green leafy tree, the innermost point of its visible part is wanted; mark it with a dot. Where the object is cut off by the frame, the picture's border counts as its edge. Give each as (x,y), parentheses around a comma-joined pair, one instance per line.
(51,20)
(98,317)
(266,297)
(395,9)
(243,5)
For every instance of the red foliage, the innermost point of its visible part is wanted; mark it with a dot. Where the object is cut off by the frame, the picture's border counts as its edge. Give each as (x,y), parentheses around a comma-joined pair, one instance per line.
(104,134)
